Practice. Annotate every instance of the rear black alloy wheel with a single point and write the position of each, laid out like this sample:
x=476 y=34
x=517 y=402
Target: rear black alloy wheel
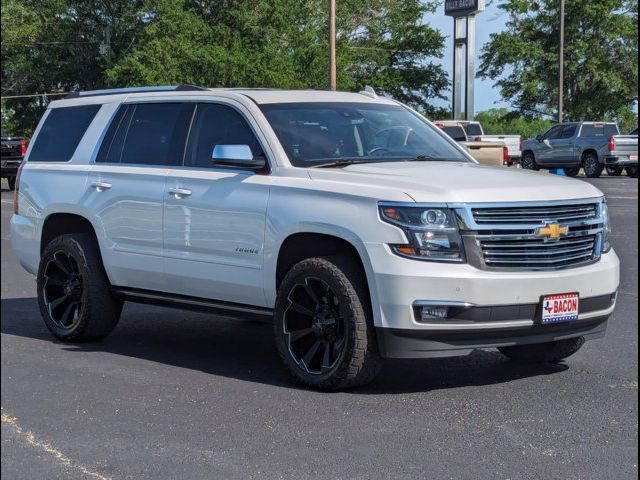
x=62 y=290
x=551 y=352
x=632 y=172
x=592 y=166
x=74 y=294
x=614 y=171
x=323 y=326
x=528 y=161
x=313 y=326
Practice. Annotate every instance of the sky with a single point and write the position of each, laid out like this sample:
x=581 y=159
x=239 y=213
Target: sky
x=490 y=21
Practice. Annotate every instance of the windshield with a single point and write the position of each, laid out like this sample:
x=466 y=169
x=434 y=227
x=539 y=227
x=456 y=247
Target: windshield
x=325 y=134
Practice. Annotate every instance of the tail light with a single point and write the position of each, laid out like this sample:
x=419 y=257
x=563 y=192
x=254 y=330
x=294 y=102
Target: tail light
x=478 y=139
x=16 y=189
x=505 y=156
x=23 y=148
x=612 y=144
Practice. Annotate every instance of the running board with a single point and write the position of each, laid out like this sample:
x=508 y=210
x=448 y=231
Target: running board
x=183 y=302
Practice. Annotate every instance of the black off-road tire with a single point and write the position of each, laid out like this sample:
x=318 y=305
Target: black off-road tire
x=360 y=361
x=11 y=181
x=98 y=311
x=551 y=352
x=632 y=172
x=614 y=171
x=528 y=161
x=592 y=166
x=572 y=171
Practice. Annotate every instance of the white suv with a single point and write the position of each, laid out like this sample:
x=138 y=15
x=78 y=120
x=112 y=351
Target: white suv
x=350 y=221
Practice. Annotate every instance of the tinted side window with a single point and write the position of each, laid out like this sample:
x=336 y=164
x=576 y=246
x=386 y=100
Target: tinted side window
x=213 y=125
x=111 y=148
x=568 y=132
x=553 y=133
x=61 y=133
x=156 y=134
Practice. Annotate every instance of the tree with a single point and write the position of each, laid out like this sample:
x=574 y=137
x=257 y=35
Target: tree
x=601 y=58
x=284 y=44
x=500 y=121
x=57 y=46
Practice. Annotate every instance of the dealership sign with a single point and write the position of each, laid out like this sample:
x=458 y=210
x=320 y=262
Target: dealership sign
x=462 y=8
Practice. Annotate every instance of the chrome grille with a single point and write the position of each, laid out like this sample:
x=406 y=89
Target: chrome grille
x=539 y=214
x=507 y=237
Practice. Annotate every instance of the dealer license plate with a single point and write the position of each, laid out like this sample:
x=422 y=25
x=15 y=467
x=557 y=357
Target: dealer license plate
x=633 y=158
x=560 y=308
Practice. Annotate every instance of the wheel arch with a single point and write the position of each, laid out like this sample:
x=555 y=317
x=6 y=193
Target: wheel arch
x=309 y=243
x=61 y=223
x=587 y=151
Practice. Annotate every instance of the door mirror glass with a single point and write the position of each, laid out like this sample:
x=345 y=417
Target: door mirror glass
x=540 y=138
x=236 y=156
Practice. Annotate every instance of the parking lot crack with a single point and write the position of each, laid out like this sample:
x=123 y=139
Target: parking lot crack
x=31 y=439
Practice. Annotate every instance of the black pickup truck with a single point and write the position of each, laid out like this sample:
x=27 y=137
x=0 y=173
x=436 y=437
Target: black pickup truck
x=13 y=151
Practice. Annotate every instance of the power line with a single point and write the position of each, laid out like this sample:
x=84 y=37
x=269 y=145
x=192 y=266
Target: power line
x=34 y=95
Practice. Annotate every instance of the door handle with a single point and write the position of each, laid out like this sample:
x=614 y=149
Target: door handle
x=101 y=186
x=179 y=193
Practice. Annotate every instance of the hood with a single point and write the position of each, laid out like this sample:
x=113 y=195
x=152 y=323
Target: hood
x=452 y=182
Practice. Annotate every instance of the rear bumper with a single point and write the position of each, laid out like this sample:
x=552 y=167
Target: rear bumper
x=620 y=160
x=10 y=168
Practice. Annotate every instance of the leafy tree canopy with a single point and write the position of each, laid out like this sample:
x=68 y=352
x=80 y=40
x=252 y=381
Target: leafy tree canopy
x=601 y=58
x=61 y=45
x=500 y=121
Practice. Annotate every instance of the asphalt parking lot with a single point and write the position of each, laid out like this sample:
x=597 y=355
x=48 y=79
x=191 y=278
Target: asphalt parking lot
x=172 y=394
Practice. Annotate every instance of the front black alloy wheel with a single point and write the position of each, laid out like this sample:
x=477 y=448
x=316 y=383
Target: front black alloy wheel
x=323 y=326
x=314 y=328
x=74 y=294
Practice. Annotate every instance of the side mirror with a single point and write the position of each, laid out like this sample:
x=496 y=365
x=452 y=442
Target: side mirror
x=540 y=138
x=239 y=156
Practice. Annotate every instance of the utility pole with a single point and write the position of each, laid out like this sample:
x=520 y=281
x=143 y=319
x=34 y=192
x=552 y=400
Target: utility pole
x=561 y=86
x=332 y=45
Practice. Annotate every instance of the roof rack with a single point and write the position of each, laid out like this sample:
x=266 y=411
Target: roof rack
x=183 y=87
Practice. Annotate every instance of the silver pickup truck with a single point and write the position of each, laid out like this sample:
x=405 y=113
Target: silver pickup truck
x=593 y=146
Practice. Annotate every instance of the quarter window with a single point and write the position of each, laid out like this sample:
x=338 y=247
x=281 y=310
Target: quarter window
x=213 y=125
x=61 y=133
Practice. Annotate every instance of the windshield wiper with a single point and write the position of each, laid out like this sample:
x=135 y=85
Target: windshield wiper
x=427 y=158
x=341 y=163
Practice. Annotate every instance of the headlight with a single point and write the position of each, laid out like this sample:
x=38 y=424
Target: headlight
x=606 y=243
x=432 y=232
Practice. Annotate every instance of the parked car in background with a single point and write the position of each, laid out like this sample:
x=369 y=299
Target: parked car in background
x=588 y=145
x=13 y=151
x=355 y=226
x=486 y=153
x=475 y=133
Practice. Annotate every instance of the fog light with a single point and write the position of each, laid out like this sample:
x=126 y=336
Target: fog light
x=429 y=314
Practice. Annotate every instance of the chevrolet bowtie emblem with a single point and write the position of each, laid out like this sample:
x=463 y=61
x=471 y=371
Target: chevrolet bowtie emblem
x=553 y=231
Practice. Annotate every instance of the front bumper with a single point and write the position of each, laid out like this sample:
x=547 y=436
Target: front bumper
x=621 y=161
x=504 y=304
x=494 y=327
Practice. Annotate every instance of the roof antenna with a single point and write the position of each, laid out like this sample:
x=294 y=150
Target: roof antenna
x=369 y=91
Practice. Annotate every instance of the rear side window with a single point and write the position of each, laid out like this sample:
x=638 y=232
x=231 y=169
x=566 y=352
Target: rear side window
x=456 y=133
x=215 y=125
x=147 y=134
x=61 y=133
x=600 y=130
x=474 y=130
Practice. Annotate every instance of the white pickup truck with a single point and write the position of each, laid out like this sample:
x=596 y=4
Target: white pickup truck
x=476 y=133
x=355 y=226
